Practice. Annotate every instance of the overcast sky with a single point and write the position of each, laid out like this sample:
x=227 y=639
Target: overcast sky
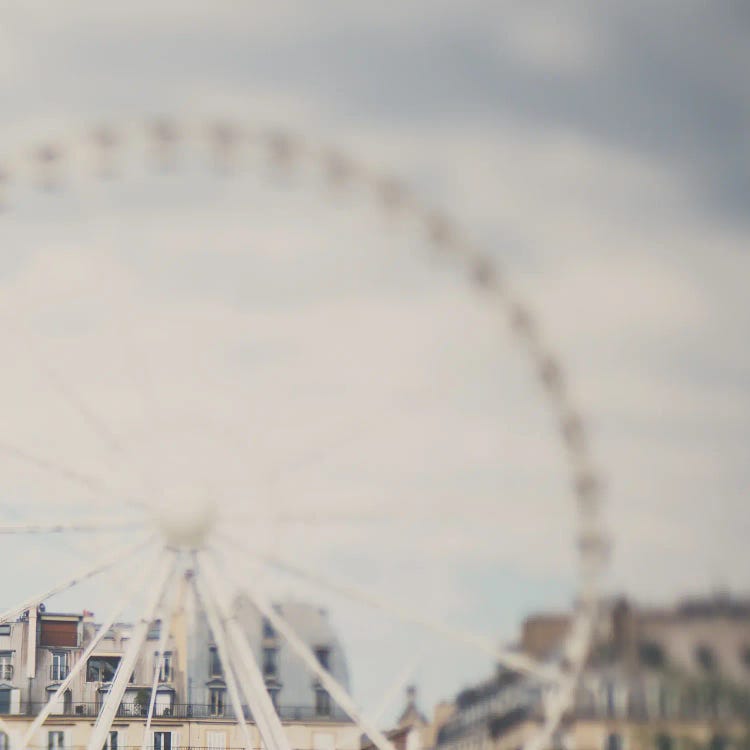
x=600 y=152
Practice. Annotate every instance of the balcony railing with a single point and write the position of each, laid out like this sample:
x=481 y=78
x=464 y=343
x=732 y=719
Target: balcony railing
x=182 y=711
x=58 y=672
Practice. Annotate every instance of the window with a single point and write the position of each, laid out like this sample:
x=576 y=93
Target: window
x=6 y=665
x=614 y=742
x=59 y=668
x=323 y=655
x=269 y=662
x=4 y=741
x=163 y=705
x=705 y=658
x=218 y=700
x=165 y=668
x=214 y=663
x=745 y=656
x=664 y=742
x=268 y=631
x=111 y=743
x=102 y=668
x=4 y=701
x=162 y=740
x=322 y=703
x=5 y=630
x=55 y=740
x=651 y=654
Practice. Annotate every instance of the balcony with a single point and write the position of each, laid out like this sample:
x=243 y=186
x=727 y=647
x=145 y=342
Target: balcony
x=178 y=711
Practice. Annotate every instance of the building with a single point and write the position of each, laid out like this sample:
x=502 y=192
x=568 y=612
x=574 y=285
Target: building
x=295 y=693
x=661 y=678
x=414 y=731
x=39 y=650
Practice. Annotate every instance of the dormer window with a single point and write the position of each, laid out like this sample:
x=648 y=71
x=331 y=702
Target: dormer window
x=165 y=667
x=214 y=663
x=270 y=666
x=268 y=631
x=323 y=655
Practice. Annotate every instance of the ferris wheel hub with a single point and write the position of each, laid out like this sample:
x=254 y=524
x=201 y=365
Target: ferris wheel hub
x=187 y=525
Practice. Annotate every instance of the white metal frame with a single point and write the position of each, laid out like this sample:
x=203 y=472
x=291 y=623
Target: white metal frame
x=98 y=153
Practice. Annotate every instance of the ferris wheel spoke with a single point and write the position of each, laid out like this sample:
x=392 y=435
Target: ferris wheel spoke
x=315 y=518
x=293 y=518
x=308 y=658
x=512 y=660
x=166 y=625
x=77 y=404
x=167 y=565
x=90 y=572
x=140 y=580
x=219 y=635
x=262 y=708
x=94 y=484
x=69 y=526
x=60 y=471
x=97 y=425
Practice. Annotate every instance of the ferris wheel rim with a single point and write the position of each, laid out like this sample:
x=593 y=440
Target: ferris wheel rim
x=285 y=151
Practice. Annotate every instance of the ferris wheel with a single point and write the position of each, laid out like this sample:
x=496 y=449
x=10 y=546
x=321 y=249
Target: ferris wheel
x=130 y=438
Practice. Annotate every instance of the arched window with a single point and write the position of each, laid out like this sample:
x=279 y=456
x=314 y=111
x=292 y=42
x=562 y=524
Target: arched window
x=4 y=742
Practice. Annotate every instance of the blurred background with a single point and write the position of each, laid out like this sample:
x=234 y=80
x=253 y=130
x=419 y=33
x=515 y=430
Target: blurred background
x=598 y=151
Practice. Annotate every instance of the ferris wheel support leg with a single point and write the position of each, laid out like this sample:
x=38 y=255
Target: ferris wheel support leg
x=253 y=684
x=81 y=663
x=127 y=663
x=166 y=625
x=308 y=658
x=214 y=622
